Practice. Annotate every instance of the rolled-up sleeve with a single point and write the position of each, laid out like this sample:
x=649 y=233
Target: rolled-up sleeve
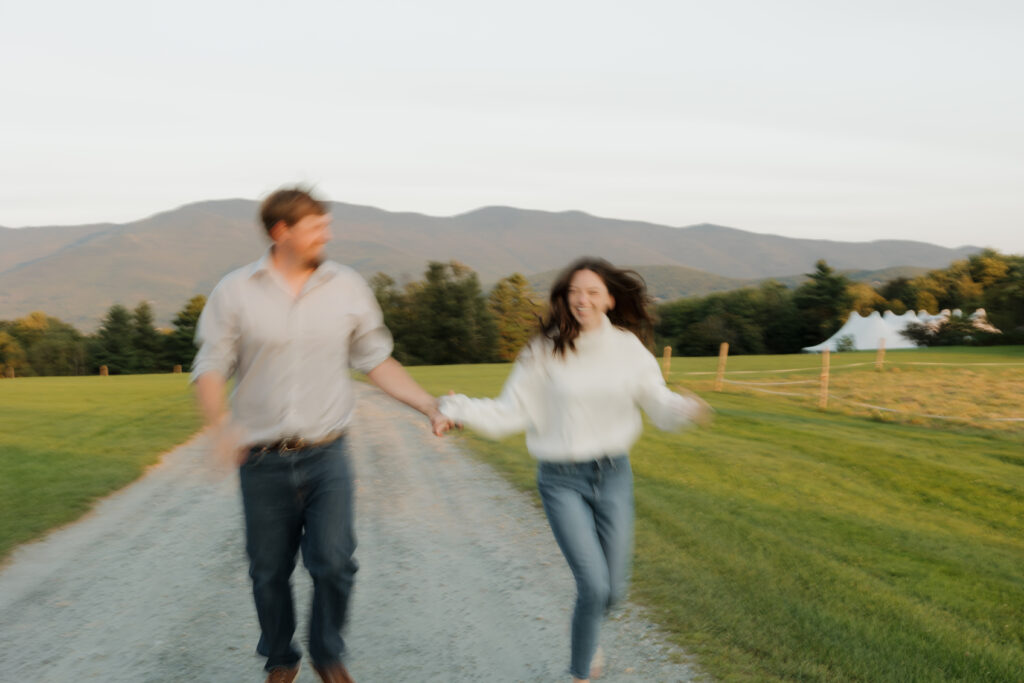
x=371 y=343
x=217 y=336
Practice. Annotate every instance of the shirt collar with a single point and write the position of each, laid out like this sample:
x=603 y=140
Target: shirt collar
x=324 y=271
x=262 y=265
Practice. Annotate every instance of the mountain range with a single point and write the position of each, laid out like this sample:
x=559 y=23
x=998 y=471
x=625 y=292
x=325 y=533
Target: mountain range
x=77 y=272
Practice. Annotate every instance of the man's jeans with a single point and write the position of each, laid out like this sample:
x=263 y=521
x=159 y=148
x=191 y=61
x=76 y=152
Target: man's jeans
x=590 y=508
x=300 y=499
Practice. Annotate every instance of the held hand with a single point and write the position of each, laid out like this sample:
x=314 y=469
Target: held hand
x=440 y=424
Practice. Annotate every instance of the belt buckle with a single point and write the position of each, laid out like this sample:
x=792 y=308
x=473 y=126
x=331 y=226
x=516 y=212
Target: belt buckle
x=291 y=445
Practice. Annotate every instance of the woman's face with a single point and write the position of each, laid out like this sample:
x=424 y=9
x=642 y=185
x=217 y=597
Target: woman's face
x=589 y=299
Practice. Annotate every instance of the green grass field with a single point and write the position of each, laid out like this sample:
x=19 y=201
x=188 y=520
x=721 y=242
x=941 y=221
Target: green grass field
x=787 y=543
x=782 y=543
x=67 y=441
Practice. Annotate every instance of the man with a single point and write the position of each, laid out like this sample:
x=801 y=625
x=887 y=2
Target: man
x=288 y=328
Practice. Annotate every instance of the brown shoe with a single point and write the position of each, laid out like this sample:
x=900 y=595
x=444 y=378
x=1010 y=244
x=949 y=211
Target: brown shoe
x=283 y=674
x=333 y=673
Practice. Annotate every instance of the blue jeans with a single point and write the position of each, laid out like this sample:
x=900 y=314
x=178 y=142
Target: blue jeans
x=292 y=500
x=590 y=508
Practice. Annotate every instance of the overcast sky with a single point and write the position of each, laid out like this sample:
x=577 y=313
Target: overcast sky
x=838 y=120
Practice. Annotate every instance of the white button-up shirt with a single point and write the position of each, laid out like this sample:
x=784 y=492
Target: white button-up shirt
x=290 y=354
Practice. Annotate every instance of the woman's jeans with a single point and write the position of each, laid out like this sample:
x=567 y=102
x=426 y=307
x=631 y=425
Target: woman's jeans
x=292 y=500
x=590 y=508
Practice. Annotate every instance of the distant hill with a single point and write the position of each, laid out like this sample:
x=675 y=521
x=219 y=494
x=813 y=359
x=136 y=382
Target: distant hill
x=77 y=272
x=20 y=247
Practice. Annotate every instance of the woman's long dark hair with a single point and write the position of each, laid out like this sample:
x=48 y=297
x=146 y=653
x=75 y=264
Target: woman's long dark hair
x=628 y=290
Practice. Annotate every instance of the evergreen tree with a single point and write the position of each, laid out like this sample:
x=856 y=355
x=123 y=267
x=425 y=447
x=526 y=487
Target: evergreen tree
x=147 y=343
x=778 y=318
x=453 y=323
x=442 y=319
x=392 y=305
x=113 y=343
x=179 y=345
x=823 y=302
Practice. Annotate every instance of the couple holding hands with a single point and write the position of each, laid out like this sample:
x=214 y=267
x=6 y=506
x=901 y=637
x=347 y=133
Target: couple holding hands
x=289 y=327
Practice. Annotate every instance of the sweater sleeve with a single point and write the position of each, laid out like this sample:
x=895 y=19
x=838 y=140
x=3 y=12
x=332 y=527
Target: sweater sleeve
x=667 y=409
x=517 y=408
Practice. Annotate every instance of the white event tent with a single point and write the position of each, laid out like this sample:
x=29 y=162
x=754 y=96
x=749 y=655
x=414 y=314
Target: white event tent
x=866 y=331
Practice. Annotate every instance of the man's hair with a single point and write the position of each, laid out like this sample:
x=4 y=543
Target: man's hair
x=291 y=205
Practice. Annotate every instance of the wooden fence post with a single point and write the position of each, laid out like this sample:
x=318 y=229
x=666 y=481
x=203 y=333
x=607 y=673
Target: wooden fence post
x=880 y=356
x=723 y=354
x=823 y=398
x=666 y=361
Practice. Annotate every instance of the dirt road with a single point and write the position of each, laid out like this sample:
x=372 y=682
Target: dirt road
x=459 y=579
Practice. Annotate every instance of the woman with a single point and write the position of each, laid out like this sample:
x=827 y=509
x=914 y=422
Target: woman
x=575 y=389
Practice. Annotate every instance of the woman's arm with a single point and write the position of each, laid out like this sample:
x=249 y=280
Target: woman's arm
x=667 y=409
x=514 y=410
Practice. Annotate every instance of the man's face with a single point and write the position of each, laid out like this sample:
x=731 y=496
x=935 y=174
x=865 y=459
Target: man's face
x=305 y=239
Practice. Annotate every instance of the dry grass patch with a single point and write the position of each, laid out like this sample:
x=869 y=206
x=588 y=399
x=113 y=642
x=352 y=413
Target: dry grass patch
x=984 y=390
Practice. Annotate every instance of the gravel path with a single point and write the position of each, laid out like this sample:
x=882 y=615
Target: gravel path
x=459 y=579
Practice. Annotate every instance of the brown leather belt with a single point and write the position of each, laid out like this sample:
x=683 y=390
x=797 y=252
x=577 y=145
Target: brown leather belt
x=296 y=443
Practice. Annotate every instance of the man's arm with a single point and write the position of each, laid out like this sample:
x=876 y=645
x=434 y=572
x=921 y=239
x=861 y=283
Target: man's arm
x=217 y=337
x=396 y=382
x=225 y=436
x=210 y=396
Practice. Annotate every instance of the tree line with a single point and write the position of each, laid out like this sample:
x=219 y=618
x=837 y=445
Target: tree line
x=442 y=319
x=127 y=342
x=447 y=318
x=774 y=319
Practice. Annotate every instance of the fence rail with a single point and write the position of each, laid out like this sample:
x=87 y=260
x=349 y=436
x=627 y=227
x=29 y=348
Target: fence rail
x=723 y=377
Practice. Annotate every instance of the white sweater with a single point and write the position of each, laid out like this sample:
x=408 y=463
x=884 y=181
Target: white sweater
x=581 y=406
